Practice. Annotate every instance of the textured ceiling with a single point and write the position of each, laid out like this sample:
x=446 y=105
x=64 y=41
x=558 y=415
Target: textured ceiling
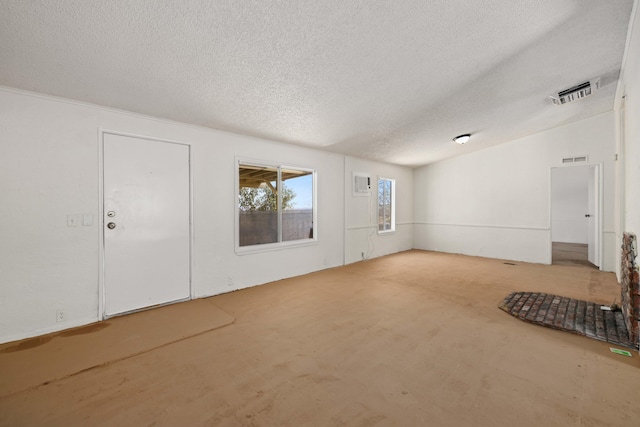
x=387 y=80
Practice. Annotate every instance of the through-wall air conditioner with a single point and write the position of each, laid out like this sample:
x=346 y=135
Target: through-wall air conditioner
x=361 y=184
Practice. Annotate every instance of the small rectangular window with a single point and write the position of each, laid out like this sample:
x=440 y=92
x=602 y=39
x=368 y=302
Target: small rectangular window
x=386 y=205
x=275 y=204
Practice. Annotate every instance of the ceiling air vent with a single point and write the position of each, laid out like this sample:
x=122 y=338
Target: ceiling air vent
x=576 y=92
x=576 y=159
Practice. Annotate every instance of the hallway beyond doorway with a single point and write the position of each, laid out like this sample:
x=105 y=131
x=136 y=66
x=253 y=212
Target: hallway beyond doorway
x=570 y=254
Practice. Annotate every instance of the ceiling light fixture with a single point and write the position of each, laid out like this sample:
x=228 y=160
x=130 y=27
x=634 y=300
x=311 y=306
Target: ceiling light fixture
x=462 y=139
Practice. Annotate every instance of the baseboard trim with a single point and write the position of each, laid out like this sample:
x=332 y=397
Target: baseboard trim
x=42 y=331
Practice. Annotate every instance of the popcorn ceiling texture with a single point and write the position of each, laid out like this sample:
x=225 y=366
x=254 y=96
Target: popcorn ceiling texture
x=386 y=80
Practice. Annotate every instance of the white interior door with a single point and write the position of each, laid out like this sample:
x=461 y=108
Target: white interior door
x=593 y=232
x=146 y=223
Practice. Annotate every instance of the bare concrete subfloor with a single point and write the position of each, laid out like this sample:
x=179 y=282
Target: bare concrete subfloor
x=412 y=339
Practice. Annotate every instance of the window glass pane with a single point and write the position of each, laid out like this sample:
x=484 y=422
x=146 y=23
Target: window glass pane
x=385 y=205
x=275 y=204
x=297 y=205
x=258 y=205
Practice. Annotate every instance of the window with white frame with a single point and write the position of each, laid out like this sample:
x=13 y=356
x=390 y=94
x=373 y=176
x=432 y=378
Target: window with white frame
x=275 y=204
x=386 y=205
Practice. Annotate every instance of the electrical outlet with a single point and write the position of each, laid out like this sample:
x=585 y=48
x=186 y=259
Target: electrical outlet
x=59 y=315
x=72 y=220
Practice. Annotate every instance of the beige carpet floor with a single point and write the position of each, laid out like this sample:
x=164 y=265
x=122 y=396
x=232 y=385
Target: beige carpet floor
x=40 y=360
x=412 y=339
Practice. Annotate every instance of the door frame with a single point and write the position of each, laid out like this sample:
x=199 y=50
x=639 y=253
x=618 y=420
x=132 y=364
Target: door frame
x=599 y=168
x=101 y=221
x=598 y=206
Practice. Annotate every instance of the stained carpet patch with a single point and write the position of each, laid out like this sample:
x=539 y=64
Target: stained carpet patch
x=569 y=315
x=76 y=350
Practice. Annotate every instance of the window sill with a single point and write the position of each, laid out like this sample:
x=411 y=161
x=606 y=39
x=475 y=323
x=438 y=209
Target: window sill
x=270 y=247
x=382 y=233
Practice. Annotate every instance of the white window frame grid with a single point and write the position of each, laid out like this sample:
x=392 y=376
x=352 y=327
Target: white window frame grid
x=266 y=247
x=392 y=228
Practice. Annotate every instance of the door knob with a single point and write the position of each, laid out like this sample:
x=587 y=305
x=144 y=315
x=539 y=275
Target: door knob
x=587 y=216
x=111 y=225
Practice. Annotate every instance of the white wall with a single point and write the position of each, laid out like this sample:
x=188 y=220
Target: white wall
x=495 y=202
x=361 y=213
x=628 y=134
x=569 y=204
x=491 y=203
x=49 y=168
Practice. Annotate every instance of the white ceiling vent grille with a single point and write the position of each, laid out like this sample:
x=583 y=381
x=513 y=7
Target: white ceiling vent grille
x=575 y=159
x=576 y=92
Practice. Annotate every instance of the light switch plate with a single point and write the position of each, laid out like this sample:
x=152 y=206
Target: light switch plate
x=87 y=220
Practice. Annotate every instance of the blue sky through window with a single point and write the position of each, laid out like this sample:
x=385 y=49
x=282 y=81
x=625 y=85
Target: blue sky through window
x=303 y=187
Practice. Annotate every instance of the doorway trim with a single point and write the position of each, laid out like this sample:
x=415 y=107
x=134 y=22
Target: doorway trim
x=599 y=168
x=101 y=223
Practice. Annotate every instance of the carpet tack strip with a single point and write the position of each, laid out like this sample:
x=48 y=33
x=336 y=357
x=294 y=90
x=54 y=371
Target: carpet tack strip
x=570 y=315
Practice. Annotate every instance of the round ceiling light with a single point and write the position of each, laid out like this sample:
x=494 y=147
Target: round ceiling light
x=462 y=139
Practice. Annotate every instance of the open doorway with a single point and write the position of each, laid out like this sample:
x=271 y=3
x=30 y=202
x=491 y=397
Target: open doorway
x=575 y=200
